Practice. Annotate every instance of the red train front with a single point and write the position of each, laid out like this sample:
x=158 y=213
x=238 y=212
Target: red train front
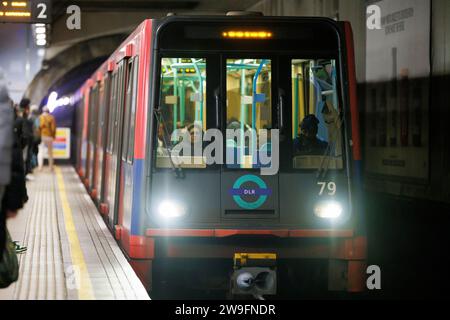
x=226 y=226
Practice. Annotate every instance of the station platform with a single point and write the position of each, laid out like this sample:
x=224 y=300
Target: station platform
x=71 y=254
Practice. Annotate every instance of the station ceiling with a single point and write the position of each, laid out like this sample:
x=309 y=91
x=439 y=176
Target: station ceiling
x=59 y=6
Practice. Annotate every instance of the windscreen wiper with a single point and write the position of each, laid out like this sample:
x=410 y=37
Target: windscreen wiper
x=325 y=161
x=331 y=147
x=178 y=171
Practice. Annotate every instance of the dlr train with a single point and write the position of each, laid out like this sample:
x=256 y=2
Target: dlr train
x=224 y=226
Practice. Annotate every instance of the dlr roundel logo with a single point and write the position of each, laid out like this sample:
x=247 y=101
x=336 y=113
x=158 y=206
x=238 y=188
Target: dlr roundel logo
x=247 y=188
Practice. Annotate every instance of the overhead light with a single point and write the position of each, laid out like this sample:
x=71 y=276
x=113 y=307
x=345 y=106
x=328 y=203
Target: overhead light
x=18 y=4
x=328 y=210
x=17 y=14
x=39 y=25
x=40 y=36
x=41 y=42
x=41 y=52
x=40 y=30
x=247 y=34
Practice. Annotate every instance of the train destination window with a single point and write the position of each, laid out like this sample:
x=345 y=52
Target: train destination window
x=316 y=119
x=182 y=111
x=248 y=109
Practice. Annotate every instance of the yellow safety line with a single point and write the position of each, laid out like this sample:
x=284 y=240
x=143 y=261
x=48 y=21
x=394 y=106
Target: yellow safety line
x=85 y=290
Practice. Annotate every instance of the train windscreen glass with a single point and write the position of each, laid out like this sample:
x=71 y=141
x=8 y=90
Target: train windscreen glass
x=249 y=109
x=316 y=119
x=182 y=110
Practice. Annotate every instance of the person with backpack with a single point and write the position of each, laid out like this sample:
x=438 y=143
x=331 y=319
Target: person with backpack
x=13 y=191
x=6 y=145
x=47 y=129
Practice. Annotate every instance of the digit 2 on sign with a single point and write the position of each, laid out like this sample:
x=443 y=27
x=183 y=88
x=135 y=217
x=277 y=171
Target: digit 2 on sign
x=42 y=10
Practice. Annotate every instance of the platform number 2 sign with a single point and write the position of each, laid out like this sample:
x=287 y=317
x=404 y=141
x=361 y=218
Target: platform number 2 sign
x=41 y=11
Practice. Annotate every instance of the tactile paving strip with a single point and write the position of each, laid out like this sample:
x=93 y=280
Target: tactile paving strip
x=46 y=269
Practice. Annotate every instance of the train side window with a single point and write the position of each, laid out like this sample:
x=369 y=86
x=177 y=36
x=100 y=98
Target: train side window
x=101 y=94
x=316 y=118
x=90 y=109
x=183 y=88
x=118 y=108
x=93 y=109
x=112 y=111
x=130 y=154
x=128 y=100
x=249 y=108
x=105 y=89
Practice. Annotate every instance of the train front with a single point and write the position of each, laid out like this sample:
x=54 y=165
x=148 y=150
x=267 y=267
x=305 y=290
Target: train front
x=253 y=157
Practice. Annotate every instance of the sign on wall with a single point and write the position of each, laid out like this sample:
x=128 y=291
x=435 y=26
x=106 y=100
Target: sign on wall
x=61 y=144
x=397 y=96
x=26 y=11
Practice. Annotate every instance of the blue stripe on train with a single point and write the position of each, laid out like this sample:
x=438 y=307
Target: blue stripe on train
x=138 y=176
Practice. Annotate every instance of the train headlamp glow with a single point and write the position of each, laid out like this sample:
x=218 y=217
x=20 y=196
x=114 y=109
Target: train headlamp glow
x=328 y=210
x=170 y=210
x=242 y=34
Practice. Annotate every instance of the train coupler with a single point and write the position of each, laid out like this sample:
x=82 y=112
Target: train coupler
x=254 y=274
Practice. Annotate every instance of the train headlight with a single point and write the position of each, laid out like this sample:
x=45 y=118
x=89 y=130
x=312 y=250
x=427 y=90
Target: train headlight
x=328 y=210
x=171 y=210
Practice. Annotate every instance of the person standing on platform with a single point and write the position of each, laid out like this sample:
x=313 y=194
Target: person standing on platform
x=34 y=117
x=6 y=143
x=28 y=136
x=47 y=129
x=15 y=195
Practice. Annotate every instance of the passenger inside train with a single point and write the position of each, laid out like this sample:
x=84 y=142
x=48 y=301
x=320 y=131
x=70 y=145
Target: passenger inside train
x=316 y=121
x=249 y=109
x=183 y=107
x=307 y=141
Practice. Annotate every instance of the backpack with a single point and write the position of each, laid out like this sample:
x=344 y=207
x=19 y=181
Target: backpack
x=9 y=265
x=45 y=122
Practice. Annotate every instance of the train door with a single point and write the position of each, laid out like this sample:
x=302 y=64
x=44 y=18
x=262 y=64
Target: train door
x=251 y=97
x=116 y=147
x=93 y=128
x=125 y=200
x=79 y=134
x=102 y=133
x=85 y=134
x=104 y=198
